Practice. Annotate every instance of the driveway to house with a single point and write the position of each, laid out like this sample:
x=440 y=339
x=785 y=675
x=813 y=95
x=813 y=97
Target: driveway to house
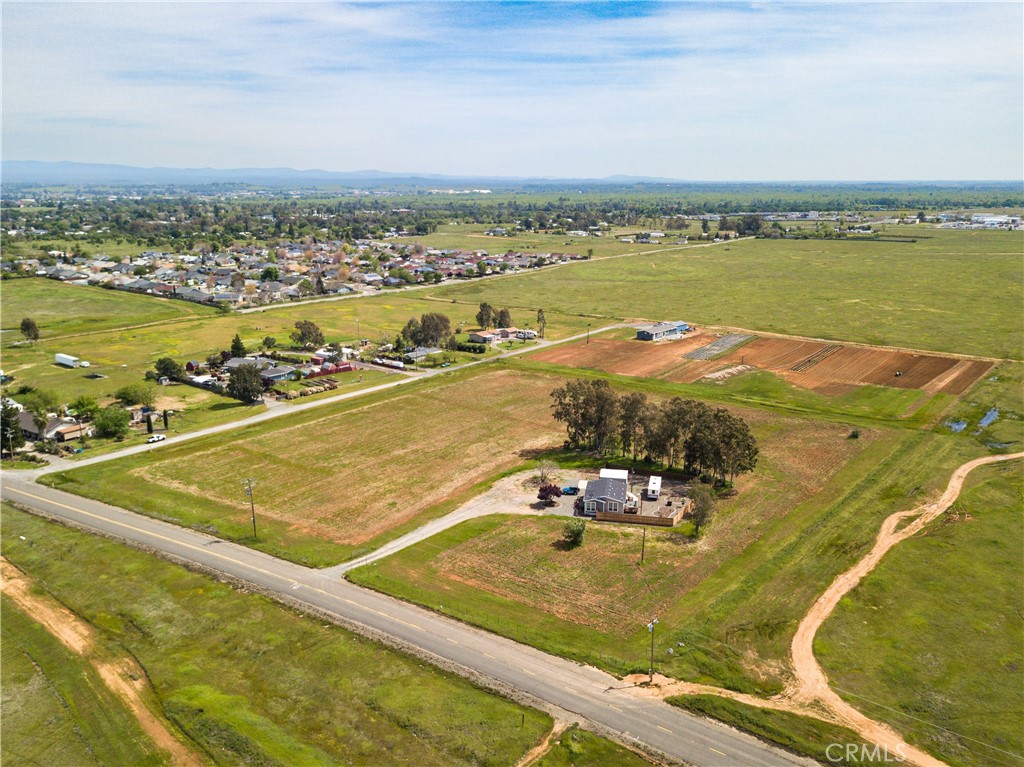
x=510 y=495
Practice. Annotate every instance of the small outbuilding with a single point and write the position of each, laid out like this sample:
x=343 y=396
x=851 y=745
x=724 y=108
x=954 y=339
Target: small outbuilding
x=660 y=330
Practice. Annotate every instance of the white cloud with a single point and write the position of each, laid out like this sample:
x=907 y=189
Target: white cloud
x=833 y=90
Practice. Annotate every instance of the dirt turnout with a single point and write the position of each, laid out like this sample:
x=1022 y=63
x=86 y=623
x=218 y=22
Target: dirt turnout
x=810 y=694
x=124 y=677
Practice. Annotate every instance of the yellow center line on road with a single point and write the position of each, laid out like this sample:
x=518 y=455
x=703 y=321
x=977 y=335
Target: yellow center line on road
x=610 y=705
x=717 y=751
x=666 y=729
x=526 y=670
x=490 y=656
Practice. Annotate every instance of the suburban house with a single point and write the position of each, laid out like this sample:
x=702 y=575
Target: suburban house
x=275 y=374
x=61 y=429
x=661 y=330
x=484 y=336
x=603 y=495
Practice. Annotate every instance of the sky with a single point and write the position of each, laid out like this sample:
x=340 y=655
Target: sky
x=723 y=91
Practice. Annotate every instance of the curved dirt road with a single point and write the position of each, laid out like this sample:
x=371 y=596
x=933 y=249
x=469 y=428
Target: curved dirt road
x=809 y=694
x=811 y=682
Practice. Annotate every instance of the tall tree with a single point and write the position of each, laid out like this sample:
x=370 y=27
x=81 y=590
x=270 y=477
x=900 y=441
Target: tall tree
x=504 y=318
x=541 y=321
x=113 y=421
x=11 y=436
x=169 y=367
x=434 y=328
x=632 y=412
x=307 y=334
x=237 y=347
x=245 y=383
x=29 y=329
x=485 y=317
x=703 y=506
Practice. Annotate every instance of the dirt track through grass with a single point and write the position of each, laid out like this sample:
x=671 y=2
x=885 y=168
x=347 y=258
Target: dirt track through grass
x=124 y=677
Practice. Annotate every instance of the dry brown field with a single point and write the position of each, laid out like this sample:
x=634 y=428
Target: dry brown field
x=353 y=476
x=837 y=369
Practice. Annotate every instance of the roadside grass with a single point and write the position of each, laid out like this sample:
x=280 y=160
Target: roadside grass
x=579 y=748
x=509 y=574
x=1001 y=390
x=56 y=709
x=931 y=641
x=803 y=735
x=17 y=465
x=255 y=683
x=60 y=309
x=339 y=481
x=958 y=291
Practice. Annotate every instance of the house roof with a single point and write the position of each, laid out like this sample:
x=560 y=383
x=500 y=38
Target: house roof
x=614 y=489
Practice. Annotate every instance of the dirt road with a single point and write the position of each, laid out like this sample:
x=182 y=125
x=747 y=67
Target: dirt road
x=809 y=694
x=124 y=677
x=811 y=682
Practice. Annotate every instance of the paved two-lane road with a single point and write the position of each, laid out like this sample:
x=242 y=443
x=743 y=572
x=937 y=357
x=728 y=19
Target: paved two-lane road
x=585 y=692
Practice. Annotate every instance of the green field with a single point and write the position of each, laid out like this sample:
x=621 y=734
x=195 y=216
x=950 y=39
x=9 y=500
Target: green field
x=60 y=309
x=252 y=682
x=956 y=291
x=56 y=709
x=931 y=641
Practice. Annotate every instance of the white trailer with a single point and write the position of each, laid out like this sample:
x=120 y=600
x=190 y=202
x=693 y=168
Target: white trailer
x=66 y=360
x=653 y=488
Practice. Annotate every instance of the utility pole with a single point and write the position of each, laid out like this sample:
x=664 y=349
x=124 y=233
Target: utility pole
x=250 y=483
x=643 y=545
x=650 y=628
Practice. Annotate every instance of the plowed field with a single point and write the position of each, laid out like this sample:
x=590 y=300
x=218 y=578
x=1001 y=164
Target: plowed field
x=631 y=358
x=838 y=370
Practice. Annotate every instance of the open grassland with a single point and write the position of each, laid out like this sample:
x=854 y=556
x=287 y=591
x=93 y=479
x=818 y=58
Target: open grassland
x=252 y=682
x=56 y=709
x=956 y=291
x=931 y=641
x=472 y=237
x=579 y=748
x=511 y=575
x=60 y=309
x=337 y=482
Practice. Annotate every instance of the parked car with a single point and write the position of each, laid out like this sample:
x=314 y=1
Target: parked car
x=156 y=438
x=570 y=491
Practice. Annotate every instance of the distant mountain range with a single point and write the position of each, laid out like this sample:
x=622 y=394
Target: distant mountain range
x=78 y=173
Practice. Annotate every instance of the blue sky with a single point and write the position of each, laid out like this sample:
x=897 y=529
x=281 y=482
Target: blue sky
x=697 y=91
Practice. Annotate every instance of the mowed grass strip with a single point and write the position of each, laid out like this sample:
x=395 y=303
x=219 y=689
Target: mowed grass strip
x=510 y=575
x=60 y=309
x=56 y=709
x=336 y=483
x=255 y=683
x=957 y=291
x=931 y=641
